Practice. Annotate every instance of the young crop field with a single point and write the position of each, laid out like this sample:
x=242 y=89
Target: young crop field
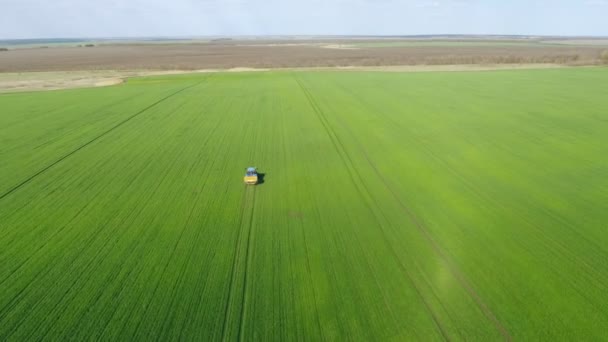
x=395 y=206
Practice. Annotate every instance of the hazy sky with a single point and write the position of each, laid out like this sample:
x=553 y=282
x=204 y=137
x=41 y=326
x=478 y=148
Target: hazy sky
x=127 y=18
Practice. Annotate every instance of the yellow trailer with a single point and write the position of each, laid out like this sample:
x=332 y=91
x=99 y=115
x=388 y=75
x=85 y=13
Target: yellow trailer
x=251 y=176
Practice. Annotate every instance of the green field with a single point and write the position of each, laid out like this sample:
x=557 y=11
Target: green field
x=423 y=206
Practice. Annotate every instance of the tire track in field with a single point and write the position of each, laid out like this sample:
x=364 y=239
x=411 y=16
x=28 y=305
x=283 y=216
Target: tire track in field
x=304 y=242
x=199 y=232
x=45 y=271
x=358 y=181
x=104 y=108
x=314 y=292
x=475 y=190
x=48 y=239
x=184 y=265
x=48 y=270
x=243 y=240
x=171 y=257
x=557 y=248
x=341 y=150
x=110 y=130
x=460 y=277
x=106 y=247
x=338 y=151
x=161 y=274
x=505 y=208
x=441 y=252
x=221 y=140
x=69 y=289
x=92 y=238
x=248 y=261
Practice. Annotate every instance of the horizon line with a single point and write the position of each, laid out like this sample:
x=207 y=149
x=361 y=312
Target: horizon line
x=190 y=37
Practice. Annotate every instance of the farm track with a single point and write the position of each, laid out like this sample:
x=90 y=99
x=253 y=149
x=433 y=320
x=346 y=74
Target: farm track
x=358 y=179
x=191 y=220
x=246 y=275
x=99 y=232
x=47 y=270
x=186 y=226
x=93 y=237
x=558 y=248
x=57 y=110
x=305 y=244
x=113 y=128
x=242 y=246
x=64 y=226
x=464 y=282
x=41 y=247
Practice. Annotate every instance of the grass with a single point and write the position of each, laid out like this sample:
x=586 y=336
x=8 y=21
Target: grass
x=422 y=206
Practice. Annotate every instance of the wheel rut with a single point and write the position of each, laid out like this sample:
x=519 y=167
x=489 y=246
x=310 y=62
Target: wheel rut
x=236 y=303
x=365 y=193
x=94 y=139
x=439 y=251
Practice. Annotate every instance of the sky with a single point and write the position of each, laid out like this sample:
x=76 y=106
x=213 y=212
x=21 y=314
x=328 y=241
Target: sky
x=21 y=19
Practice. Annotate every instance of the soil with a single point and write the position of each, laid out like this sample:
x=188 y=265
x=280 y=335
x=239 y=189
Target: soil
x=340 y=47
x=61 y=67
x=35 y=81
x=278 y=54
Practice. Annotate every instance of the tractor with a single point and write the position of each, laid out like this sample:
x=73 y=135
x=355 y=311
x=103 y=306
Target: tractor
x=251 y=176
